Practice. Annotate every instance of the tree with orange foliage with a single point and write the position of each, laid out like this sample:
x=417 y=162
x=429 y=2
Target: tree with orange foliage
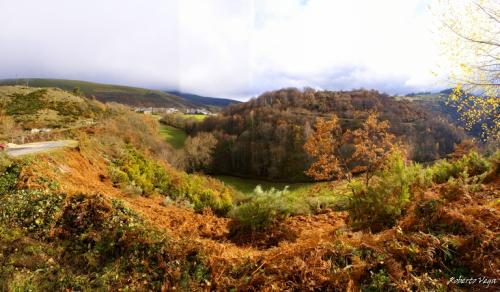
x=373 y=144
x=325 y=145
x=329 y=145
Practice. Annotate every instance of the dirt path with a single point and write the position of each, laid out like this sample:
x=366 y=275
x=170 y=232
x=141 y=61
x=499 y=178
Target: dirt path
x=32 y=148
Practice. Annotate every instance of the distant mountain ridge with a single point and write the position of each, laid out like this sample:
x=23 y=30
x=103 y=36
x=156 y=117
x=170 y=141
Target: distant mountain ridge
x=205 y=100
x=132 y=96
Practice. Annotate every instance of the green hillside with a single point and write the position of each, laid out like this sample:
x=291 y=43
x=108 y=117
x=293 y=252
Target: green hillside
x=133 y=96
x=46 y=107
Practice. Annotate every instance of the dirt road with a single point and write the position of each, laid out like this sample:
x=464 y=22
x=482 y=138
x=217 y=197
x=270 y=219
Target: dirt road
x=32 y=148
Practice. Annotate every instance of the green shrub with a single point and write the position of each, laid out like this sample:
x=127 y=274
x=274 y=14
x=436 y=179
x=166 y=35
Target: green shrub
x=133 y=190
x=258 y=213
x=137 y=174
x=118 y=177
x=458 y=187
x=379 y=281
x=88 y=243
x=100 y=235
x=8 y=177
x=380 y=203
x=203 y=192
x=134 y=169
x=443 y=170
x=453 y=189
x=26 y=104
x=473 y=164
x=31 y=210
x=265 y=207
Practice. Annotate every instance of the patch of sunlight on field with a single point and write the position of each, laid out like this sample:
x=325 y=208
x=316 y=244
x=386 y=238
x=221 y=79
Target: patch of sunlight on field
x=247 y=186
x=175 y=137
x=317 y=194
x=193 y=116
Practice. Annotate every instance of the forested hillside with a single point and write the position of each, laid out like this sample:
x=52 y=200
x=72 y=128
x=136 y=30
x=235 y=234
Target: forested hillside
x=264 y=137
x=439 y=103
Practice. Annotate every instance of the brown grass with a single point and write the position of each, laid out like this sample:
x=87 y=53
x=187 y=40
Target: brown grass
x=323 y=253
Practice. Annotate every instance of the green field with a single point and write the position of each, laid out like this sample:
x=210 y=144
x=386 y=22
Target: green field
x=175 y=137
x=313 y=194
x=247 y=185
x=196 y=117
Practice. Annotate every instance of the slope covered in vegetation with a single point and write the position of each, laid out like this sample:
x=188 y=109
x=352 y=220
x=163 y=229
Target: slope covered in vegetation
x=47 y=108
x=55 y=238
x=114 y=214
x=133 y=96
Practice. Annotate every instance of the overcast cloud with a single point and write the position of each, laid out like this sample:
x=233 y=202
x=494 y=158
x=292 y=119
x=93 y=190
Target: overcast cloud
x=225 y=48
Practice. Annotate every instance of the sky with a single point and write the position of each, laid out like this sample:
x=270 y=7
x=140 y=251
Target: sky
x=223 y=48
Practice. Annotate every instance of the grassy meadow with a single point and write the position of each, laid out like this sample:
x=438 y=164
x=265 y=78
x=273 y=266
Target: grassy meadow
x=175 y=137
x=247 y=185
x=196 y=117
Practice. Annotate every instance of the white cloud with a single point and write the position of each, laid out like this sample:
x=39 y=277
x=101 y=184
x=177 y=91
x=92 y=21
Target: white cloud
x=375 y=42
x=231 y=48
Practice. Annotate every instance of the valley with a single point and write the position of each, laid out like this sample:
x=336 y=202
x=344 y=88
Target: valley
x=137 y=201
x=306 y=145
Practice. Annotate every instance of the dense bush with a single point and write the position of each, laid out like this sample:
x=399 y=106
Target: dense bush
x=87 y=243
x=202 y=192
x=121 y=126
x=53 y=108
x=9 y=173
x=133 y=169
x=179 y=121
x=263 y=208
x=454 y=188
x=198 y=152
x=379 y=204
x=31 y=210
x=382 y=201
x=138 y=174
x=472 y=164
x=26 y=104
